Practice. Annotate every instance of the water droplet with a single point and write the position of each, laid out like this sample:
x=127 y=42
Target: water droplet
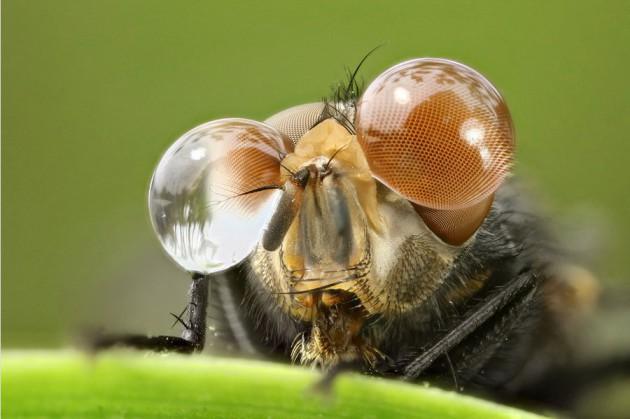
x=197 y=201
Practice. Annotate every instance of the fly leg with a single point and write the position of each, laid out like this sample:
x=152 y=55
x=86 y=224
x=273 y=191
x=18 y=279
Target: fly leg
x=191 y=340
x=521 y=290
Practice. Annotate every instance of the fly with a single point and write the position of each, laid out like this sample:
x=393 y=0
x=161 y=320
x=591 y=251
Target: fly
x=379 y=229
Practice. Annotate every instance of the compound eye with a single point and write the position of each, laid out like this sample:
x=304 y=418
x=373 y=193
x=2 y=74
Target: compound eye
x=295 y=121
x=214 y=191
x=437 y=132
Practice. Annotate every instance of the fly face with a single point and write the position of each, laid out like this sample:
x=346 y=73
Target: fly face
x=342 y=242
x=379 y=211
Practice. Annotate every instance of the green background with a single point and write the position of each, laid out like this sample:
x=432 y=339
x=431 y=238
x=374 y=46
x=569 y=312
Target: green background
x=94 y=91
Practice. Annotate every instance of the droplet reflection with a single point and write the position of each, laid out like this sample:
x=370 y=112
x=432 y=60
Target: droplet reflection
x=197 y=204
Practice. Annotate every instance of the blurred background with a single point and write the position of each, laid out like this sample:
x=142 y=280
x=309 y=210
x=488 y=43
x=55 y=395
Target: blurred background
x=94 y=91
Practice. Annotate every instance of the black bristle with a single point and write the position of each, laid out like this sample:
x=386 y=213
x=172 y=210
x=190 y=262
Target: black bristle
x=341 y=104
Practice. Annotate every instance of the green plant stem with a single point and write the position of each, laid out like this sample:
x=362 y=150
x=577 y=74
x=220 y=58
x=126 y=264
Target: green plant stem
x=56 y=384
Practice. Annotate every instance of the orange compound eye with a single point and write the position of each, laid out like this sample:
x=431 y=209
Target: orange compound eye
x=437 y=132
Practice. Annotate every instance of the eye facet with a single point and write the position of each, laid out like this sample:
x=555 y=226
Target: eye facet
x=437 y=132
x=295 y=121
x=214 y=190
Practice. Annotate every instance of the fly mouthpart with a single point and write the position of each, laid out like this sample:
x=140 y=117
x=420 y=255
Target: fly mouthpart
x=309 y=280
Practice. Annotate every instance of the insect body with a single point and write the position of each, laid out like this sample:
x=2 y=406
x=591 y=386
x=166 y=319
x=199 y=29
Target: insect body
x=377 y=230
